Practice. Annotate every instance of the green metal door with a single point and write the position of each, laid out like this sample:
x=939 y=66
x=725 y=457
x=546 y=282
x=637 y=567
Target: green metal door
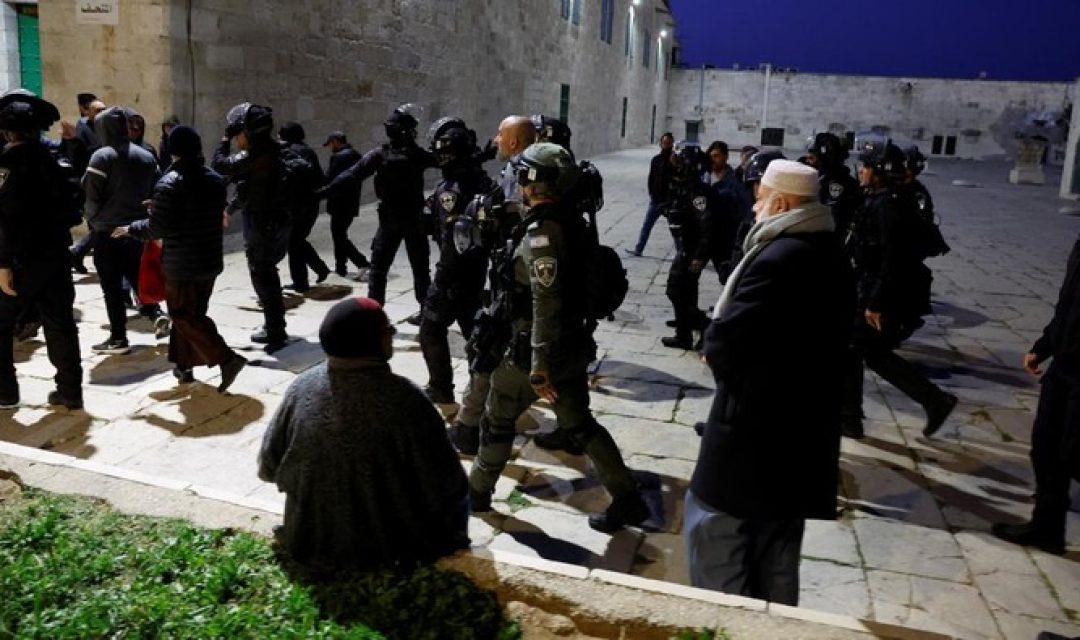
x=29 y=51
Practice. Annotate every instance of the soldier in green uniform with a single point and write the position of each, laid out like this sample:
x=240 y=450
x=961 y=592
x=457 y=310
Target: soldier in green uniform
x=552 y=347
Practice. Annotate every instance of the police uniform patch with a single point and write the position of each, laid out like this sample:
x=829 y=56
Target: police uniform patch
x=539 y=242
x=545 y=270
x=448 y=199
x=835 y=190
x=4 y=173
x=920 y=199
x=700 y=203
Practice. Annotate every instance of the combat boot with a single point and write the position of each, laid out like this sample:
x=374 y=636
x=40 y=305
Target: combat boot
x=558 y=440
x=624 y=511
x=1032 y=534
x=465 y=439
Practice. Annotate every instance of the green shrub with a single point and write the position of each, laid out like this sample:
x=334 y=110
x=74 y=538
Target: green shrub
x=72 y=568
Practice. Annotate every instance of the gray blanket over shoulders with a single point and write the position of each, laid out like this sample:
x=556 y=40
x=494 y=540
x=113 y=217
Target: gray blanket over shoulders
x=369 y=475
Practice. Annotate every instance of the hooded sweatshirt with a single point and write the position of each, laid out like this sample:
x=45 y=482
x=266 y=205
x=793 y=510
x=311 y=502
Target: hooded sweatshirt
x=120 y=176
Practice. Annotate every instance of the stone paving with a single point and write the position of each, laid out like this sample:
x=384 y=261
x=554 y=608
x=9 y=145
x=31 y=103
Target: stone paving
x=912 y=546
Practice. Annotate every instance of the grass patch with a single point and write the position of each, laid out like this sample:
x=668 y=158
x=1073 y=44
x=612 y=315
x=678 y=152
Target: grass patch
x=73 y=568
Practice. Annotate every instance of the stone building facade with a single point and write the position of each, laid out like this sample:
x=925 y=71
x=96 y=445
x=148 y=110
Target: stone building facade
x=344 y=64
x=965 y=118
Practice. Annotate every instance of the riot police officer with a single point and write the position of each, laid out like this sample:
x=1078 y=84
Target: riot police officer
x=701 y=232
x=551 y=347
x=398 y=166
x=455 y=293
x=839 y=190
x=893 y=291
x=261 y=171
x=35 y=266
x=918 y=197
x=302 y=255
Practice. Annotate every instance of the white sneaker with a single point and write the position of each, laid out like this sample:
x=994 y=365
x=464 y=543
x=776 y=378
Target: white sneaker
x=162 y=326
x=362 y=275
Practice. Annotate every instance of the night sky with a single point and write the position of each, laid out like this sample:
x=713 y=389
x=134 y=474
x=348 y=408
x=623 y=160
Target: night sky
x=1009 y=40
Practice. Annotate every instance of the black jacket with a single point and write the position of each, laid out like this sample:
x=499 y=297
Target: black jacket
x=1061 y=338
x=399 y=180
x=659 y=176
x=771 y=446
x=345 y=199
x=186 y=216
x=32 y=229
x=887 y=249
x=703 y=221
x=841 y=192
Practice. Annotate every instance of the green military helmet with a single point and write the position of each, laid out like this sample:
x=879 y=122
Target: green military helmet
x=549 y=164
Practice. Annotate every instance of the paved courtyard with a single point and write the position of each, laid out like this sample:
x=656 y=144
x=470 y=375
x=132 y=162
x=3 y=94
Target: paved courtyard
x=912 y=546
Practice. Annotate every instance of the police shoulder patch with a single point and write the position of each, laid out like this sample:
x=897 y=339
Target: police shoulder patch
x=835 y=190
x=539 y=242
x=545 y=270
x=920 y=200
x=700 y=203
x=448 y=200
x=5 y=173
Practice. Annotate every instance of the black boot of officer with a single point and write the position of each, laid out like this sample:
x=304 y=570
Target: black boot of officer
x=257 y=171
x=35 y=265
x=894 y=292
x=455 y=294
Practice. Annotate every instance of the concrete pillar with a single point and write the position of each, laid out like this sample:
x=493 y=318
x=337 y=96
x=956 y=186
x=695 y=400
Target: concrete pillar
x=9 y=48
x=1070 y=173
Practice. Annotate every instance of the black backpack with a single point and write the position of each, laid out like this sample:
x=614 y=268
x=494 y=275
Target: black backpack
x=300 y=179
x=606 y=284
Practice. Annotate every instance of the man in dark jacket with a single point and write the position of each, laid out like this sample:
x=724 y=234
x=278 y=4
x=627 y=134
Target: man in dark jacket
x=119 y=178
x=659 y=178
x=370 y=479
x=770 y=451
x=186 y=217
x=259 y=172
x=1055 y=435
x=398 y=166
x=343 y=205
x=301 y=254
x=78 y=143
x=893 y=291
x=35 y=270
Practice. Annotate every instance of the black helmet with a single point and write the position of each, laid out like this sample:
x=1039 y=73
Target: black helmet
x=828 y=148
x=758 y=163
x=916 y=161
x=454 y=144
x=402 y=122
x=688 y=160
x=25 y=111
x=552 y=130
x=886 y=160
x=253 y=119
x=548 y=163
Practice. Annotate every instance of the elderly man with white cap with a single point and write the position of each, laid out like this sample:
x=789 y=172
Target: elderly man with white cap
x=770 y=449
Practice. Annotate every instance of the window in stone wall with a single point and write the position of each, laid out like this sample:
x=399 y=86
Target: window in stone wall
x=565 y=10
x=652 y=129
x=564 y=103
x=607 y=20
x=575 y=15
x=625 y=105
x=646 y=49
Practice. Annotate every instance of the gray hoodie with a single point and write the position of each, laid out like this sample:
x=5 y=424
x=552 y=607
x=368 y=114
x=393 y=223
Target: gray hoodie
x=120 y=175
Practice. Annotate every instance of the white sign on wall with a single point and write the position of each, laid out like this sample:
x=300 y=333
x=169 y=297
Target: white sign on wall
x=97 y=12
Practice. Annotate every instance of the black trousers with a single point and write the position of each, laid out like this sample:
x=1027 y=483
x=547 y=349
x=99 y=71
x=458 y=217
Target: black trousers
x=47 y=287
x=682 y=291
x=84 y=244
x=440 y=311
x=116 y=260
x=265 y=246
x=344 y=249
x=194 y=339
x=301 y=254
x=1055 y=447
x=384 y=247
x=876 y=350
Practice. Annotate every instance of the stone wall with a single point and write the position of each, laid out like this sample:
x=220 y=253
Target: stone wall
x=982 y=114
x=9 y=48
x=344 y=64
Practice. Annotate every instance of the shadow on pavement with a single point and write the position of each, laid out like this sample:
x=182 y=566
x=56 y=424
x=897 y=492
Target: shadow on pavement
x=142 y=363
x=204 y=411
x=961 y=318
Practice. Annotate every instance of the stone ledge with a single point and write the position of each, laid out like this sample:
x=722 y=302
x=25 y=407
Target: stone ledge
x=669 y=604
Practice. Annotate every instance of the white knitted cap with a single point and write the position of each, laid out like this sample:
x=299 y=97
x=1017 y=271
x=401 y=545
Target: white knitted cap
x=794 y=178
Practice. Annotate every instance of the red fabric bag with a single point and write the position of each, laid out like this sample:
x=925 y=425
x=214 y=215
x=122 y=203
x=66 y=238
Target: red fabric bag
x=151 y=286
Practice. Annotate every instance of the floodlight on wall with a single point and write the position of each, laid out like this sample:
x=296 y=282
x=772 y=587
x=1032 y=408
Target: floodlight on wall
x=637 y=3
x=663 y=33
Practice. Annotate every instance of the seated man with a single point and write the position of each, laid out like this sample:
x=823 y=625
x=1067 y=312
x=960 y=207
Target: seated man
x=369 y=476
